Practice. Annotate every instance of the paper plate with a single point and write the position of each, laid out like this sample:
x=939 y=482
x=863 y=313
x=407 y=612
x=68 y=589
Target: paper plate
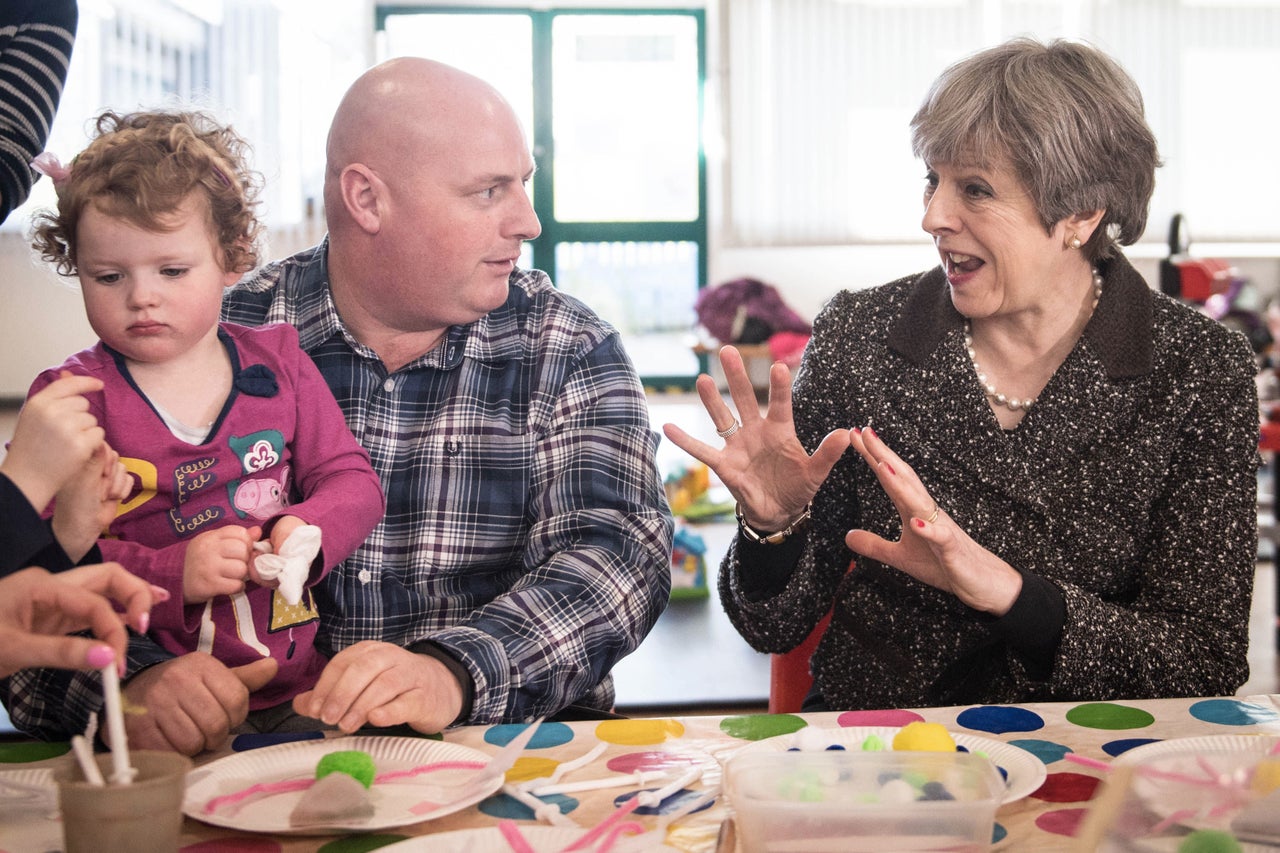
x=32 y=787
x=393 y=802
x=1024 y=772
x=543 y=839
x=1225 y=757
x=1257 y=744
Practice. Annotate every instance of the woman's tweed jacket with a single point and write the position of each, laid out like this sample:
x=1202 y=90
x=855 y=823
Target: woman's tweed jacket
x=1131 y=486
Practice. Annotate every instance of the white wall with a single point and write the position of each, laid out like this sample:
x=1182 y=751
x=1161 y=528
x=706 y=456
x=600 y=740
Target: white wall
x=42 y=318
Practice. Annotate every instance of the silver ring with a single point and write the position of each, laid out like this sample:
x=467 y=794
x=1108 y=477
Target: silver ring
x=934 y=515
x=729 y=430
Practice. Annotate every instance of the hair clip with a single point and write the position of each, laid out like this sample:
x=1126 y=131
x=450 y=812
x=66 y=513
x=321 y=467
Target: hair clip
x=47 y=163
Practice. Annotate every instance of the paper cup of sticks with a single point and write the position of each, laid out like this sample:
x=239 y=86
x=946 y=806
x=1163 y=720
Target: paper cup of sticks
x=120 y=800
x=142 y=814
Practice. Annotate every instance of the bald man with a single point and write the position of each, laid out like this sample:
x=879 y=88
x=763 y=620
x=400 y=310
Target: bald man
x=526 y=543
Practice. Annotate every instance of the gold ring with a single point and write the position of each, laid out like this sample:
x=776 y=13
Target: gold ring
x=934 y=515
x=729 y=430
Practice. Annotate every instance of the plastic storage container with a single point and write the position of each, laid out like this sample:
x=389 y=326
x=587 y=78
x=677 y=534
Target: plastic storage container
x=845 y=801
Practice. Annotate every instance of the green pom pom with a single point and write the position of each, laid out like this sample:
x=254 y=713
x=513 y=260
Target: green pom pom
x=355 y=763
x=1210 y=841
x=873 y=743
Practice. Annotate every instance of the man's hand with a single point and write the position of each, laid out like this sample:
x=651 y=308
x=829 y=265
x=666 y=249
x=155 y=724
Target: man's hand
x=191 y=702
x=381 y=684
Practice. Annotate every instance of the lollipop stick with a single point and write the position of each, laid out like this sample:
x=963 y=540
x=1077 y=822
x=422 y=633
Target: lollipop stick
x=121 y=772
x=84 y=756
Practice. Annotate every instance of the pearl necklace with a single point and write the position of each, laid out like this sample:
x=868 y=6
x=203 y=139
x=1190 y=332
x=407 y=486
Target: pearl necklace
x=1013 y=403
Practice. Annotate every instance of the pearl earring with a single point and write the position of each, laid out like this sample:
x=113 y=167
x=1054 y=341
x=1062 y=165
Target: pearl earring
x=1074 y=242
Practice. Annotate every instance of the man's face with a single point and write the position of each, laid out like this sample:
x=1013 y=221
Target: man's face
x=459 y=217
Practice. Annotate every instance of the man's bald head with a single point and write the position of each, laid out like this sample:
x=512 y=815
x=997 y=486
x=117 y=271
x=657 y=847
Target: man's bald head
x=392 y=113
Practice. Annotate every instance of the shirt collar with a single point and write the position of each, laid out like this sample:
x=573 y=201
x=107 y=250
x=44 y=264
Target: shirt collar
x=1120 y=330
x=497 y=336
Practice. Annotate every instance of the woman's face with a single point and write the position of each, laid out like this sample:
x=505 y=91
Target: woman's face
x=997 y=256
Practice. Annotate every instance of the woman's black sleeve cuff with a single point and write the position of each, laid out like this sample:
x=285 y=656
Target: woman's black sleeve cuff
x=1033 y=626
x=767 y=569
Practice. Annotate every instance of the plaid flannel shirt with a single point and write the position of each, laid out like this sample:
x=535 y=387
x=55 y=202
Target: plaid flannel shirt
x=526 y=532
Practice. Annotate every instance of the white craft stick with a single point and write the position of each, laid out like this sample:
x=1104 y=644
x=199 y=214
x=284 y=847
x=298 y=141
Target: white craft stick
x=655 y=798
x=568 y=767
x=549 y=812
x=84 y=755
x=656 y=837
x=121 y=772
x=639 y=777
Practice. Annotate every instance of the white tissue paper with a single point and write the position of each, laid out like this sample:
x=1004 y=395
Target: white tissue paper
x=292 y=564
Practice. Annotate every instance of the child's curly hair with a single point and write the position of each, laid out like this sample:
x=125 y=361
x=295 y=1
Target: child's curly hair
x=141 y=167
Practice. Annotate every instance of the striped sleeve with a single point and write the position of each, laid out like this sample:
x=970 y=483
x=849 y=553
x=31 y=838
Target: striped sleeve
x=35 y=50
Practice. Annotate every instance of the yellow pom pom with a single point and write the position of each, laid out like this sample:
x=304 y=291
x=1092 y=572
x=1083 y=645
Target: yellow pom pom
x=1266 y=776
x=923 y=737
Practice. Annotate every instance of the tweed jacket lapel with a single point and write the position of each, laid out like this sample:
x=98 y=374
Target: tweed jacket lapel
x=1094 y=394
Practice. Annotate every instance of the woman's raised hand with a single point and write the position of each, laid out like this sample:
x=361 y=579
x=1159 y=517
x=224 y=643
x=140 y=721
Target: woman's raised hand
x=933 y=548
x=762 y=463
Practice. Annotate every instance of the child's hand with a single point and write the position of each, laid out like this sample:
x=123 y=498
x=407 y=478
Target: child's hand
x=217 y=563
x=279 y=534
x=55 y=437
x=88 y=502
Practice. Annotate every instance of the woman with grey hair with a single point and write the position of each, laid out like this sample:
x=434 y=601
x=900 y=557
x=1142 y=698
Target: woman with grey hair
x=1053 y=484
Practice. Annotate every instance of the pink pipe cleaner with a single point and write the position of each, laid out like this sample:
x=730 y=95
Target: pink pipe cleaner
x=515 y=839
x=589 y=837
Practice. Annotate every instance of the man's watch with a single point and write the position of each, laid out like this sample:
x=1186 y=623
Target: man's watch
x=771 y=538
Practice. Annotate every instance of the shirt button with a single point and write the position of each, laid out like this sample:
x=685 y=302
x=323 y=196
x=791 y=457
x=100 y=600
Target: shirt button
x=389 y=385
x=365 y=576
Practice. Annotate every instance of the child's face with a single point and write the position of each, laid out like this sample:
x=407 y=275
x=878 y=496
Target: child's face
x=154 y=296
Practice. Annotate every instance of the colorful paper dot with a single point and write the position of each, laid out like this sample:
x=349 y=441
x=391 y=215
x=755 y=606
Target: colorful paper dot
x=1000 y=720
x=1108 y=715
x=1067 y=788
x=547 y=735
x=24 y=752
x=890 y=718
x=1119 y=747
x=1045 y=750
x=1062 y=821
x=998 y=833
x=531 y=767
x=1232 y=712
x=639 y=732
x=761 y=726
x=633 y=762
x=246 y=742
x=504 y=807
x=668 y=805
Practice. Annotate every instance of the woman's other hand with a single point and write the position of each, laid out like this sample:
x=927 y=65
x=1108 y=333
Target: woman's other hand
x=762 y=463
x=38 y=609
x=933 y=548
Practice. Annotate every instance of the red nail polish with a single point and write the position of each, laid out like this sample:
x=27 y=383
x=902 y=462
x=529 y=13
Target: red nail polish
x=888 y=467
x=873 y=433
x=920 y=523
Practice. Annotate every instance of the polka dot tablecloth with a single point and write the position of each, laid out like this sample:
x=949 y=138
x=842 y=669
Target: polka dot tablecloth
x=692 y=751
